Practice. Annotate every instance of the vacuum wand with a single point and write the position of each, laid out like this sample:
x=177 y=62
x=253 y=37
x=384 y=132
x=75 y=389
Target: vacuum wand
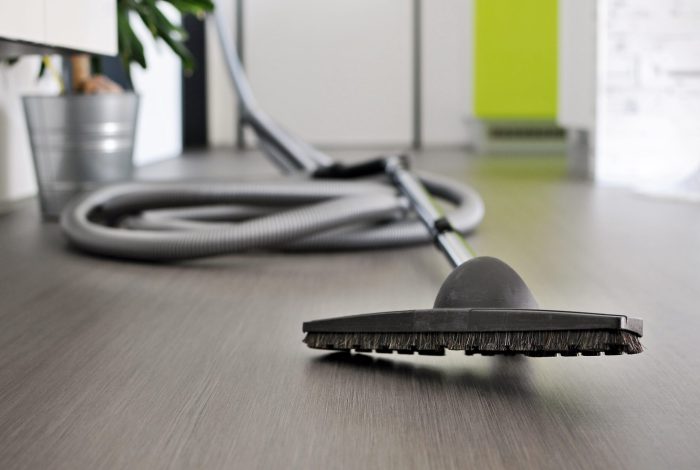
x=483 y=307
x=448 y=240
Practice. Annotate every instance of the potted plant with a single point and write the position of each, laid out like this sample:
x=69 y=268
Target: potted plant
x=85 y=136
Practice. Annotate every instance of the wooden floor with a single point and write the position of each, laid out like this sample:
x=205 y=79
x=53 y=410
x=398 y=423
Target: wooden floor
x=107 y=364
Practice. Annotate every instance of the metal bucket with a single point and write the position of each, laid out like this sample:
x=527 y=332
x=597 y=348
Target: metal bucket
x=79 y=142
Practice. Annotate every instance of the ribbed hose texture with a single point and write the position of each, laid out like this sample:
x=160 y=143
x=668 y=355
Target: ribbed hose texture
x=177 y=221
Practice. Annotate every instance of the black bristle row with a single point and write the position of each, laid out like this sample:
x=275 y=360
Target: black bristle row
x=529 y=343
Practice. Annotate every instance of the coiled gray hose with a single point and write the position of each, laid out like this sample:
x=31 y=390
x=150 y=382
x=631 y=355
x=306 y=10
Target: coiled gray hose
x=177 y=221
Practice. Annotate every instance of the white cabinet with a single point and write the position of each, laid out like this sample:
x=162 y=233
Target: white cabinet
x=334 y=72
x=84 y=25
x=89 y=25
x=23 y=20
x=340 y=72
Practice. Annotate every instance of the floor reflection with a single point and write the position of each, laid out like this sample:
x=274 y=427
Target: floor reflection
x=504 y=375
x=495 y=396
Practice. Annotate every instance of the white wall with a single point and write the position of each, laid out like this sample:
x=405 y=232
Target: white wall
x=340 y=73
x=221 y=106
x=448 y=71
x=648 y=92
x=333 y=72
x=16 y=168
x=577 y=81
x=628 y=75
x=159 y=129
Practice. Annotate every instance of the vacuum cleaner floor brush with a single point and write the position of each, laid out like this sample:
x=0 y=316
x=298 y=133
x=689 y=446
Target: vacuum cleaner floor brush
x=587 y=341
x=483 y=307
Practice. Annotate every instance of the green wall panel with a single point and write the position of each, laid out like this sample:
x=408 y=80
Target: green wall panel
x=516 y=59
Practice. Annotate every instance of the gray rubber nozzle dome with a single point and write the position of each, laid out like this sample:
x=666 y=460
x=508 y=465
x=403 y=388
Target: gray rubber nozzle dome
x=484 y=282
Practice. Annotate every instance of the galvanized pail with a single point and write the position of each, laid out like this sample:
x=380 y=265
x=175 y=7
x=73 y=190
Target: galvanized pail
x=79 y=142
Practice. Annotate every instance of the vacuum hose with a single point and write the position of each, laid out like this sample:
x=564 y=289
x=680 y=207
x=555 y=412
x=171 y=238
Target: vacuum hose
x=180 y=220
x=177 y=221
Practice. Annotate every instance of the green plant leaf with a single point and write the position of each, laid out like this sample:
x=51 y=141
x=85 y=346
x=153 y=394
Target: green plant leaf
x=96 y=64
x=195 y=7
x=130 y=47
x=160 y=27
x=182 y=52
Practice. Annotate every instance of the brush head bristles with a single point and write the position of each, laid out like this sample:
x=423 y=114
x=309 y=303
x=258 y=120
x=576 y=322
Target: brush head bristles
x=529 y=343
x=483 y=307
x=479 y=331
